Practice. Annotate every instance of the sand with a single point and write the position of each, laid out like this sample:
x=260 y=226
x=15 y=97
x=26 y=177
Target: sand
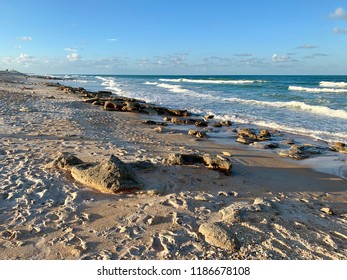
x=276 y=208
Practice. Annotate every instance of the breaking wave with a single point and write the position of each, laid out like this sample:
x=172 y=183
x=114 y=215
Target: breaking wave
x=317 y=90
x=333 y=84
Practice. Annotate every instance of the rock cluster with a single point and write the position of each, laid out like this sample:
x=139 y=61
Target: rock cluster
x=300 y=152
x=218 y=163
x=250 y=135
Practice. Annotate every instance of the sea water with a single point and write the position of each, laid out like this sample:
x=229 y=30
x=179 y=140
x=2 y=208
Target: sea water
x=314 y=106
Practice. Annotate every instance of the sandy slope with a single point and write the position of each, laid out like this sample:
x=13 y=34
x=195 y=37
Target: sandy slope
x=44 y=214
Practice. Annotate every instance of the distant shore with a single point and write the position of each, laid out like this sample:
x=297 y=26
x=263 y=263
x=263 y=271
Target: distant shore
x=268 y=208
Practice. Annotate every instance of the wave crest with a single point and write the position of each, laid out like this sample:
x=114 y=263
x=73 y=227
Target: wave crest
x=333 y=84
x=317 y=90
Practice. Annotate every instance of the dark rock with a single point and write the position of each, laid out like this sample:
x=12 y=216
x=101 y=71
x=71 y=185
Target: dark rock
x=181 y=159
x=154 y=123
x=201 y=124
x=208 y=117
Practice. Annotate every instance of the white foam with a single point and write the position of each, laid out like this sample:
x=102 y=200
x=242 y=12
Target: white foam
x=317 y=90
x=172 y=88
x=202 y=81
x=110 y=84
x=151 y=83
x=293 y=105
x=333 y=84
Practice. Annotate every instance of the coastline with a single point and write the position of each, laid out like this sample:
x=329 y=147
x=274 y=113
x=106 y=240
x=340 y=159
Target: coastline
x=272 y=205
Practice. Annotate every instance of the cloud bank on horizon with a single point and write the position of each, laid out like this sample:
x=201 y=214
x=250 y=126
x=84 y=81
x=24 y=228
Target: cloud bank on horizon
x=185 y=37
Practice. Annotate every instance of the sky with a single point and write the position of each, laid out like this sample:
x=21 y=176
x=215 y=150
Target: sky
x=178 y=37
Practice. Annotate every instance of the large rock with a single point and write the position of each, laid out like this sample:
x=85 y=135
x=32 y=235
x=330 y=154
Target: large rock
x=219 y=235
x=218 y=163
x=301 y=152
x=109 y=176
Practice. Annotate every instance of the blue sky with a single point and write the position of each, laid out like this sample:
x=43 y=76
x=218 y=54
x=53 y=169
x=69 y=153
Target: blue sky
x=174 y=37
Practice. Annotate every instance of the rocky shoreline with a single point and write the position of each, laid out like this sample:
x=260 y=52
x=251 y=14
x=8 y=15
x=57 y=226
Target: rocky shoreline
x=80 y=182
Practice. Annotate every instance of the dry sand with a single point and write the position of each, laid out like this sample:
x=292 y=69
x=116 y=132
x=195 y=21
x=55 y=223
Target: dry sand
x=274 y=207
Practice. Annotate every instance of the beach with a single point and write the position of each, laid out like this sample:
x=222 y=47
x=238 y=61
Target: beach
x=269 y=207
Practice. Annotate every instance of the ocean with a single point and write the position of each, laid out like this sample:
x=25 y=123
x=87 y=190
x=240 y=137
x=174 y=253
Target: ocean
x=314 y=106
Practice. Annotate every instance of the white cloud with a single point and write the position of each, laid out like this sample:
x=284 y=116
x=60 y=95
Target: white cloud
x=307 y=46
x=112 y=40
x=339 y=14
x=281 y=58
x=340 y=30
x=25 y=38
x=25 y=59
x=73 y=56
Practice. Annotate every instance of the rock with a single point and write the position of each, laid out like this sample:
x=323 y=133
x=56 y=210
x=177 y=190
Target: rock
x=150 y=111
x=109 y=176
x=226 y=123
x=219 y=235
x=150 y=122
x=338 y=147
x=327 y=210
x=300 y=152
x=244 y=140
x=218 y=163
x=198 y=134
x=181 y=159
x=241 y=211
x=217 y=124
x=201 y=124
x=227 y=154
x=208 y=117
x=65 y=161
x=178 y=113
x=109 y=106
x=159 y=129
x=131 y=106
x=262 y=145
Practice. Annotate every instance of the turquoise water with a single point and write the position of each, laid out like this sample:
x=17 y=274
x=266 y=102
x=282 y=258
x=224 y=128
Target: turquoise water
x=313 y=106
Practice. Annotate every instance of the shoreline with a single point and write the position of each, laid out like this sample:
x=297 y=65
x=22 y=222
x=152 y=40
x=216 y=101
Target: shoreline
x=272 y=205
